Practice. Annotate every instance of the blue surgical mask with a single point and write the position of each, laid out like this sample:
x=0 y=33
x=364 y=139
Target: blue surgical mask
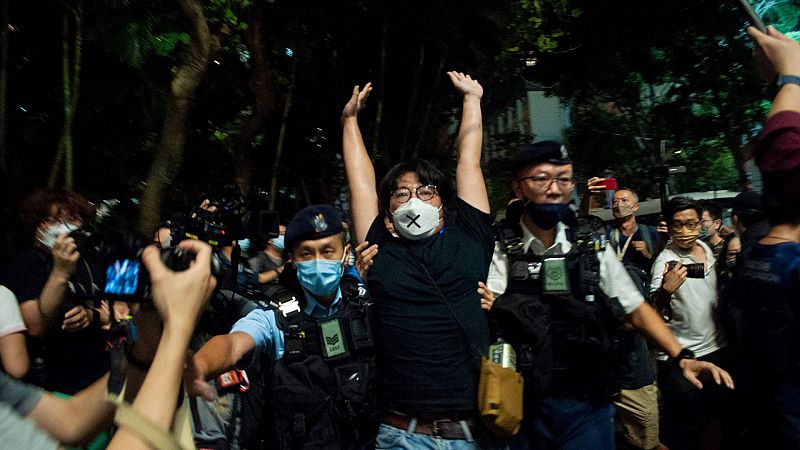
x=244 y=244
x=277 y=243
x=320 y=276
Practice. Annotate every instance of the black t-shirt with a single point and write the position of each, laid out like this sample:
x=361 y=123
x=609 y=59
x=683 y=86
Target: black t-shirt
x=427 y=365
x=765 y=291
x=60 y=361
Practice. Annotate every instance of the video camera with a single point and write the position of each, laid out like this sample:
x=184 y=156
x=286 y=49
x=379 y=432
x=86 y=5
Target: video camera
x=126 y=278
x=225 y=217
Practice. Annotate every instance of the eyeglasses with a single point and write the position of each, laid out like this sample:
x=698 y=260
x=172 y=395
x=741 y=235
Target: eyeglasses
x=690 y=225
x=424 y=193
x=543 y=182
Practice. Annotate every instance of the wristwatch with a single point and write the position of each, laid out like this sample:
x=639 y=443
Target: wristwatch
x=684 y=354
x=788 y=79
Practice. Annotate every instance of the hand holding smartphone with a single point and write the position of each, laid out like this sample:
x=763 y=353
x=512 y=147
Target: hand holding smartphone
x=610 y=184
x=755 y=20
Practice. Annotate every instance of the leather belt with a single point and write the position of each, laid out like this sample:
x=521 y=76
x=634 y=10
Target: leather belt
x=441 y=428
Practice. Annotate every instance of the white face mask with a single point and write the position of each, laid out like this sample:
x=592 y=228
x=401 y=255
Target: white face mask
x=415 y=219
x=48 y=236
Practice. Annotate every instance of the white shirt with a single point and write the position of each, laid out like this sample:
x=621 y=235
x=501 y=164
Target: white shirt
x=10 y=316
x=614 y=279
x=693 y=304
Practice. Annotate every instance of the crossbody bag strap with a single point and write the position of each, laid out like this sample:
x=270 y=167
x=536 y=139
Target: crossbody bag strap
x=467 y=336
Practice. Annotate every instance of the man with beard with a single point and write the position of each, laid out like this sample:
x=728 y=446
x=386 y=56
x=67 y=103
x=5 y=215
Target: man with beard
x=684 y=290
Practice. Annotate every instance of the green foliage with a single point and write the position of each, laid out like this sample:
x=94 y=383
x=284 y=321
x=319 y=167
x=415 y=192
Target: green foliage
x=227 y=12
x=164 y=44
x=538 y=25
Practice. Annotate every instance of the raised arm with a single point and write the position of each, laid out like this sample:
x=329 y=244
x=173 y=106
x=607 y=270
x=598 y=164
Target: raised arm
x=179 y=298
x=470 y=185
x=358 y=166
x=43 y=313
x=777 y=54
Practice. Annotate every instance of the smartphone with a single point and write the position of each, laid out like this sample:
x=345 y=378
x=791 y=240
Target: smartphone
x=610 y=184
x=755 y=20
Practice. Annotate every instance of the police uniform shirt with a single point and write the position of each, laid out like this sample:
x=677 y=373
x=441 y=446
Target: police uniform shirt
x=262 y=326
x=614 y=279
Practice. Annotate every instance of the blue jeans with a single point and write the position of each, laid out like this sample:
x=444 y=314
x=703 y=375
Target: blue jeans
x=566 y=424
x=392 y=438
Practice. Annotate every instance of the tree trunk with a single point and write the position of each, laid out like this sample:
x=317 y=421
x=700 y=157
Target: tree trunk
x=429 y=107
x=412 y=102
x=71 y=76
x=382 y=85
x=276 y=164
x=263 y=95
x=732 y=136
x=3 y=86
x=184 y=84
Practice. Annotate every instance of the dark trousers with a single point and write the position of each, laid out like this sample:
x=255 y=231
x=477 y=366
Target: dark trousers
x=688 y=411
x=566 y=424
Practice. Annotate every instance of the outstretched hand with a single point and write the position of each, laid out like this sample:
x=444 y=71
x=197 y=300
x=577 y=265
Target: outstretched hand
x=356 y=102
x=693 y=368
x=465 y=84
x=195 y=382
x=776 y=53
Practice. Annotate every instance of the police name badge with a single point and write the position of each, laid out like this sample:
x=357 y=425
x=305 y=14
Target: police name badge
x=556 y=278
x=333 y=345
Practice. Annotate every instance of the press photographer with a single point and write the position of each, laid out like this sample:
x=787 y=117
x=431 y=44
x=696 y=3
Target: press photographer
x=33 y=418
x=222 y=219
x=56 y=283
x=684 y=291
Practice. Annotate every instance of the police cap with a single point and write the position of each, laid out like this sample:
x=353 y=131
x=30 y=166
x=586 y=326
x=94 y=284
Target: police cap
x=311 y=223
x=540 y=152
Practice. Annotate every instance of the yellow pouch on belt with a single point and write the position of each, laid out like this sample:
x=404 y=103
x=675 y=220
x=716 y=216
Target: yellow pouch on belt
x=500 y=398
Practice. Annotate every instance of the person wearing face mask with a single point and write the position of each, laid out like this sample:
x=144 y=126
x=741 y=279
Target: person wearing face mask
x=637 y=405
x=433 y=247
x=562 y=297
x=269 y=262
x=315 y=348
x=690 y=304
x=711 y=226
x=56 y=286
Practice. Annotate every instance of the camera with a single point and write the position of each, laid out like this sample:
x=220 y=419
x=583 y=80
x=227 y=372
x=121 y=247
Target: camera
x=227 y=216
x=697 y=270
x=127 y=280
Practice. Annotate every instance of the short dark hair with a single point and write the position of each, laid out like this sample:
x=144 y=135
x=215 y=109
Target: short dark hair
x=713 y=208
x=37 y=205
x=427 y=173
x=633 y=193
x=678 y=204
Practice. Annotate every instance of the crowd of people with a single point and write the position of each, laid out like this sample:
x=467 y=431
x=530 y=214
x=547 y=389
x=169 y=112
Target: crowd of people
x=368 y=332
